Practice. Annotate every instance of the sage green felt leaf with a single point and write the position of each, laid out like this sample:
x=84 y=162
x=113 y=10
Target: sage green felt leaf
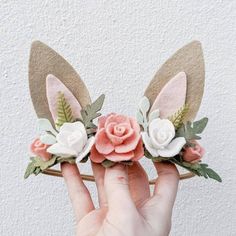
x=45 y=125
x=139 y=118
x=108 y=163
x=64 y=112
x=85 y=159
x=91 y=112
x=29 y=170
x=70 y=160
x=141 y=115
x=128 y=163
x=209 y=173
x=190 y=130
x=178 y=117
x=48 y=139
x=200 y=125
x=147 y=154
x=43 y=165
x=37 y=171
x=154 y=115
x=144 y=105
x=200 y=169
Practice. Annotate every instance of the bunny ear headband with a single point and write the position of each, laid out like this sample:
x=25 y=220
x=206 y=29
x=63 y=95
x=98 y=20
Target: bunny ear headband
x=71 y=128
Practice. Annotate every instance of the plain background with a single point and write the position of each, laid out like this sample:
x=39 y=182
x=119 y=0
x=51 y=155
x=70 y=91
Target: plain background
x=116 y=46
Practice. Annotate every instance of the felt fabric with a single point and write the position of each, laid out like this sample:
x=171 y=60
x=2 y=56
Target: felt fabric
x=53 y=87
x=190 y=60
x=45 y=61
x=172 y=96
x=193 y=154
x=117 y=139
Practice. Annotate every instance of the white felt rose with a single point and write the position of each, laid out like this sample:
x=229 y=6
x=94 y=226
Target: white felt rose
x=160 y=141
x=72 y=140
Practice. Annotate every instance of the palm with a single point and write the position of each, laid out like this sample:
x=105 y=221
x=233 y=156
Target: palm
x=126 y=205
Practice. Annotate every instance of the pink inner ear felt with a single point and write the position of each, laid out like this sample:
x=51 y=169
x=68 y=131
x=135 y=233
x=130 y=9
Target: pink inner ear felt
x=172 y=96
x=53 y=86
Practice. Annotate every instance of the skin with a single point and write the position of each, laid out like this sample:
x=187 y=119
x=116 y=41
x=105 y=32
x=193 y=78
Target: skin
x=126 y=205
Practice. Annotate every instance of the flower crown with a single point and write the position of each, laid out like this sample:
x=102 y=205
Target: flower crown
x=72 y=129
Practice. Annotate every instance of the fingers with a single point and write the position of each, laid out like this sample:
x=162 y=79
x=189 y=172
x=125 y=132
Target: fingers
x=117 y=189
x=79 y=195
x=99 y=173
x=138 y=183
x=167 y=183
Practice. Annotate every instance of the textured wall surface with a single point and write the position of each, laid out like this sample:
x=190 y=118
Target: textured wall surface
x=116 y=46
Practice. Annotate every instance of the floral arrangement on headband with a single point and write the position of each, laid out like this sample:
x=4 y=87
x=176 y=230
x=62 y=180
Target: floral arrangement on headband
x=72 y=129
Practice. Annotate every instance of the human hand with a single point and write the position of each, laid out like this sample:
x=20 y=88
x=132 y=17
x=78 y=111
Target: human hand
x=127 y=207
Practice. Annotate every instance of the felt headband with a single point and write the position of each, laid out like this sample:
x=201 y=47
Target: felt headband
x=163 y=129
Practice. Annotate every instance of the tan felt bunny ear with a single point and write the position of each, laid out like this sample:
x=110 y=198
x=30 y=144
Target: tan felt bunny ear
x=187 y=60
x=45 y=61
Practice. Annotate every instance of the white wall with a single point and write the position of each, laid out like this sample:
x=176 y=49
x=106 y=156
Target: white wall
x=116 y=46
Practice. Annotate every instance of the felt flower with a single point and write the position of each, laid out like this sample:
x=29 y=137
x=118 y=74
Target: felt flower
x=193 y=154
x=117 y=139
x=160 y=141
x=72 y=140
x=40 y=149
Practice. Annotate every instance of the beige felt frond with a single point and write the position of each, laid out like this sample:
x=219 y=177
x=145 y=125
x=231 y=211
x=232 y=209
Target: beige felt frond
x=178 y=118
x=45 y=61
x=188 y=59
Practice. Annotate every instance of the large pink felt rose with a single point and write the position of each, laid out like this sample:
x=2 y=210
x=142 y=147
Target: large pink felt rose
x=193 y=154
x=117 y=139
x=40 y=149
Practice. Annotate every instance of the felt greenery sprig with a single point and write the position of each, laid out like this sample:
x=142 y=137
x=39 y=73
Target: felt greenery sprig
x=64 y=111
x=72 y=139
x=173 y=140
x=91 y=112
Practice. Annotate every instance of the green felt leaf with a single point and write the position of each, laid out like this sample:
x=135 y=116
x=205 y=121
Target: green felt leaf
x=141 y=115
x=153 y=115
x=70 y=160
x=147 y=154
x=91 y=112
x=128 y=163
x=199 y=126
x=85 y=159
x=209 y=173
x=139 y=118
x=43 y=165
x=37 y=171
x=64 y=112
x=29 y=170
x=160 y=159
x=144 y=105
x=48 y=139
x=190 y=131
x=199 y=169
x=108 y=163
x=45 y=125
x=178 y=117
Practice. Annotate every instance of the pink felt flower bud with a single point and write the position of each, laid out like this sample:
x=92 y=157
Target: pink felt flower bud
x=193 y=154
x=40 y=149
x=117 y=139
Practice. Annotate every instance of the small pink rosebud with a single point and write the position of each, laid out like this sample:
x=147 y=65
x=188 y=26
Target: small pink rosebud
x=193 y=154
x=40 y=149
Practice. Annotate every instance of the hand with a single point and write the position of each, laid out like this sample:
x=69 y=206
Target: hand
x=126 y=206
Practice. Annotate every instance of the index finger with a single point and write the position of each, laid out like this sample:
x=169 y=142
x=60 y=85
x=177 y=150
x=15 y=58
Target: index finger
x=79 y=194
